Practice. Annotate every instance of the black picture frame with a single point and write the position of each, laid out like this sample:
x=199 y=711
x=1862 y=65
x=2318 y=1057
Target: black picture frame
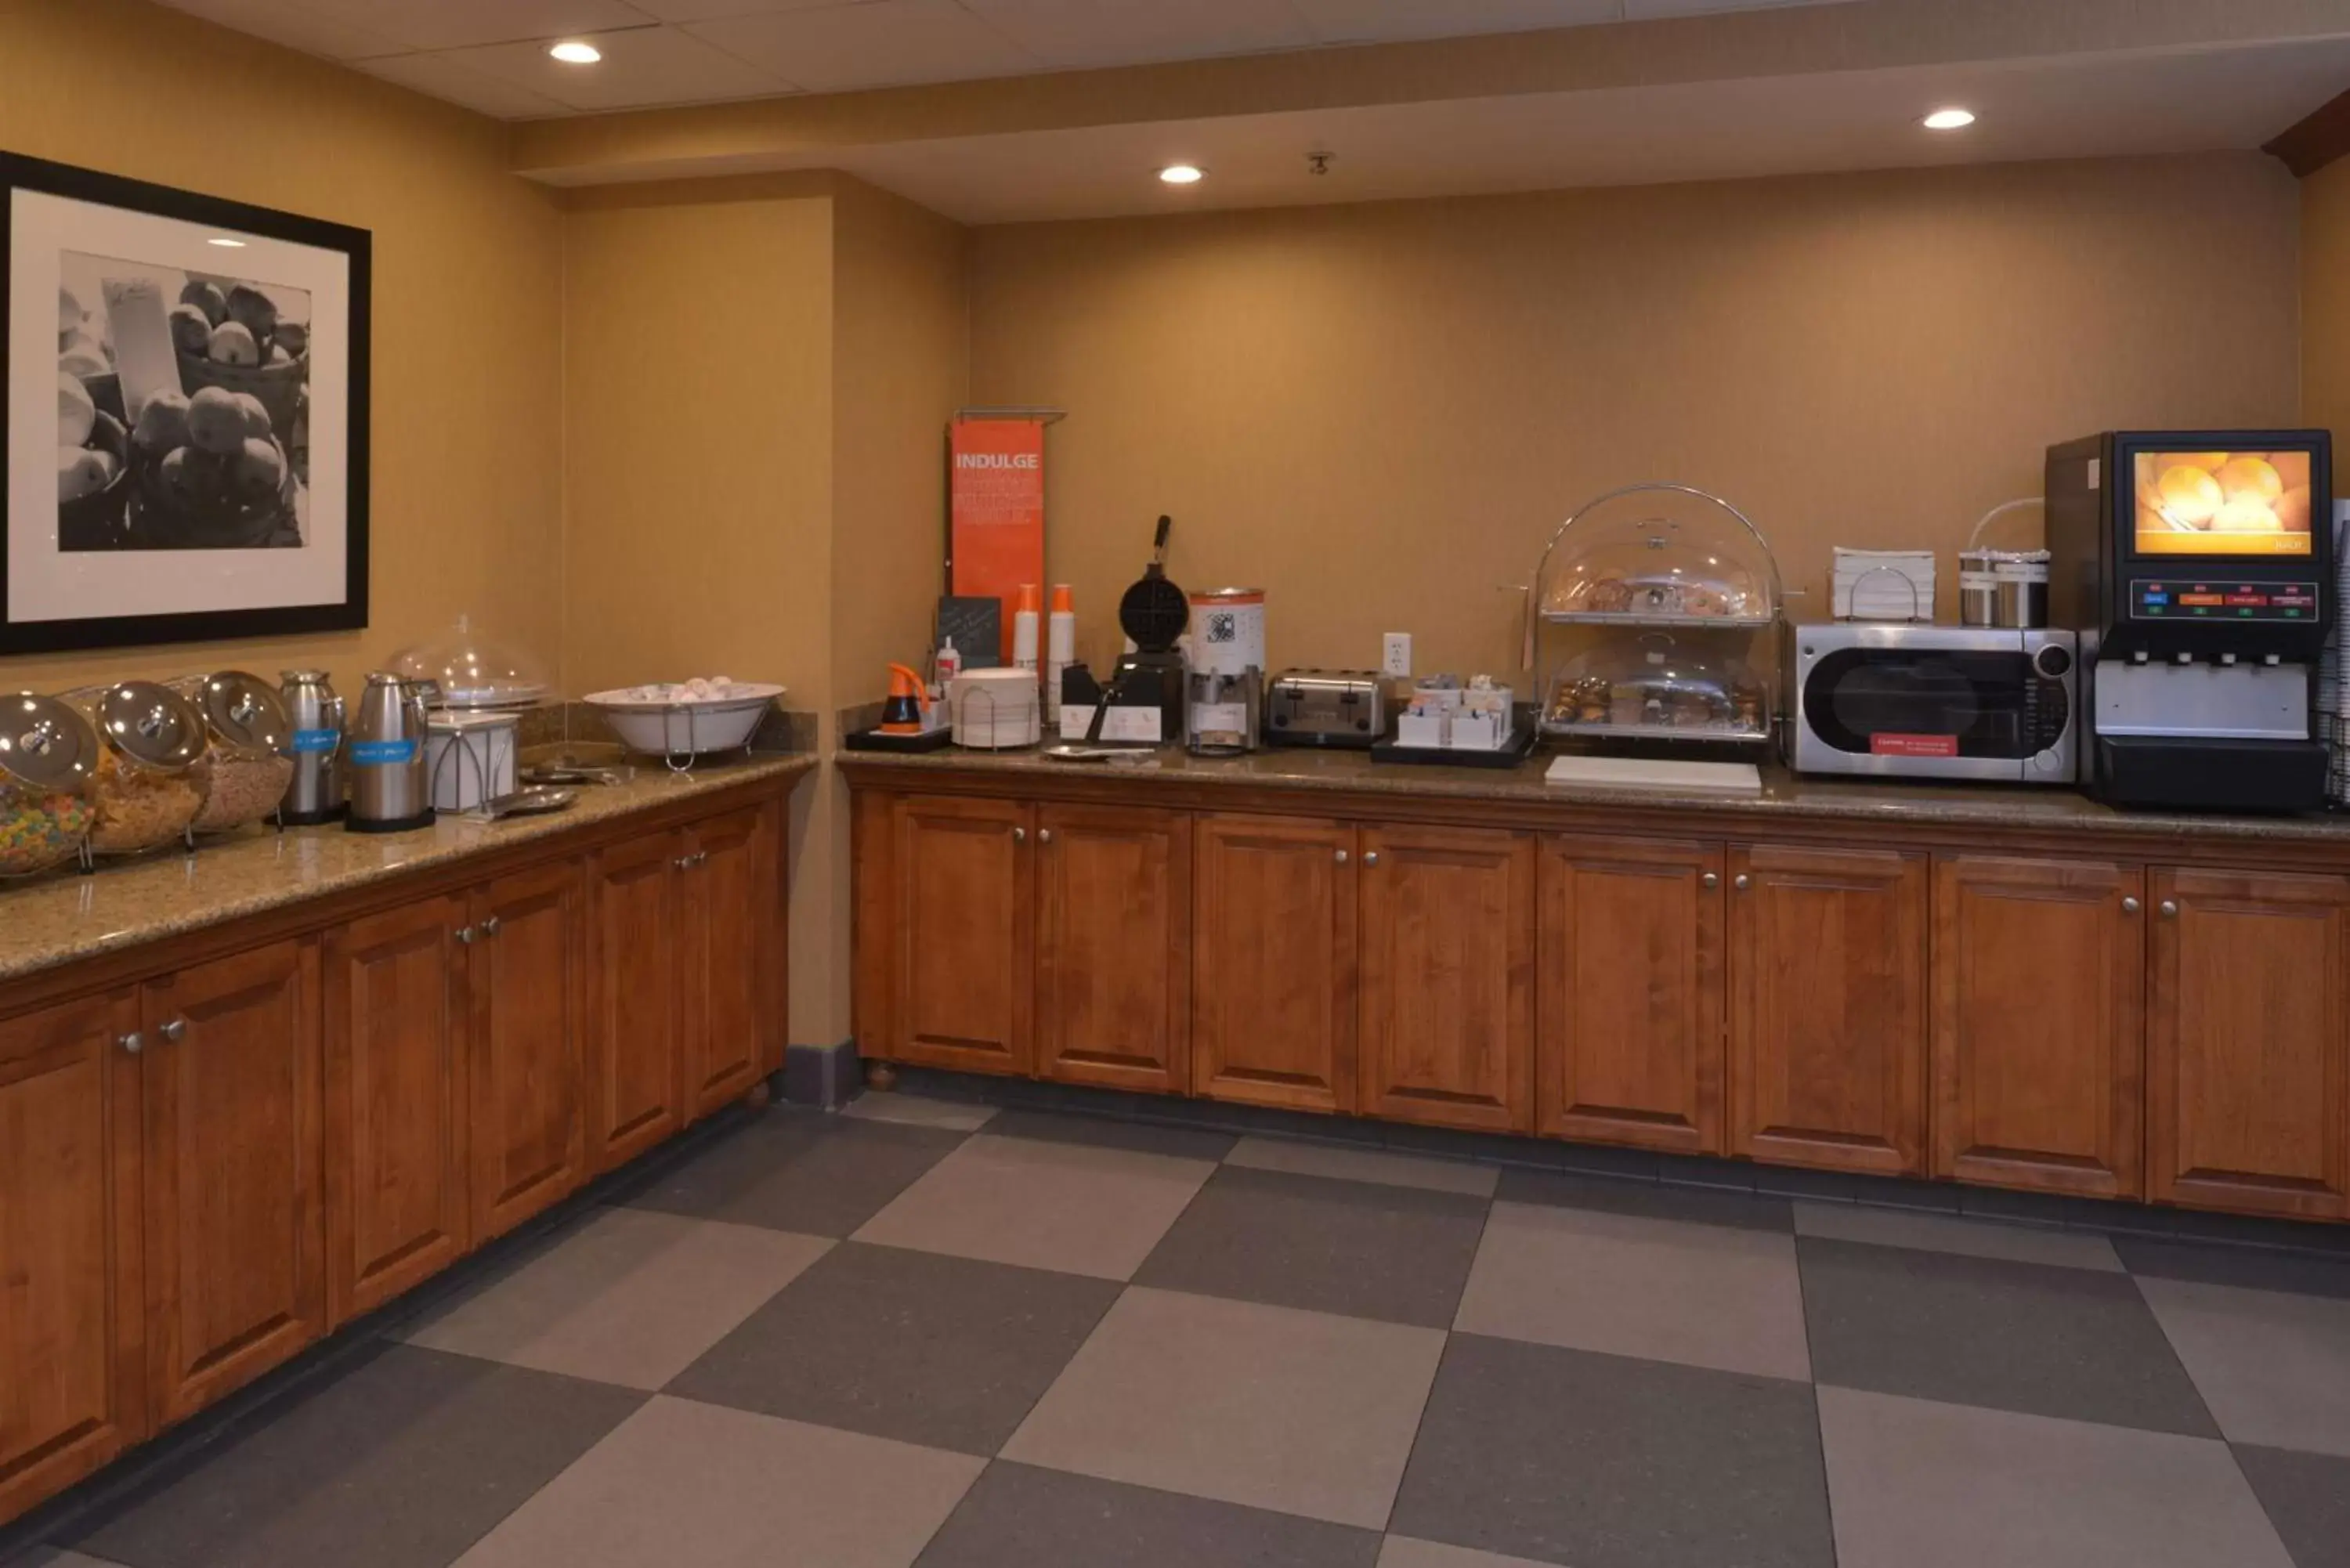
x=21 y=172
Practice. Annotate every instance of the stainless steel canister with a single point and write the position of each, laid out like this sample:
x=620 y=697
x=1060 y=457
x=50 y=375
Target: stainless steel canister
x=2023 y=579
x=315 y=713
x=391 y=785
x=1978 y=588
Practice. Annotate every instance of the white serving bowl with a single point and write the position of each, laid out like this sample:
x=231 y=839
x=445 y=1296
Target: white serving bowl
x=674 y=727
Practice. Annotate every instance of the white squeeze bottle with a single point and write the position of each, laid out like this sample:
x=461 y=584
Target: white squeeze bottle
x=950 y=662
x=1060 y=646
x=1023 y=629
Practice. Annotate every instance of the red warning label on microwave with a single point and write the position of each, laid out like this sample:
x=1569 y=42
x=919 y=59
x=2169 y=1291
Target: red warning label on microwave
x=1885 y=743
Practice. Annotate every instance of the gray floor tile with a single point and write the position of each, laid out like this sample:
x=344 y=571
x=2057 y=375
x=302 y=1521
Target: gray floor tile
x=2028 y=1337
x=1403 y=1552
x=799 y=1170
x=1400 y=1254
x=2307 y=1496
x=1077 y=1207
x=404 y=1461
x=50 y=1557
x=1946 y=1233
x=920 y=1111
x=2274 y=1368
x=916 y=1346
x=632 y=1297
x=1694 y=1205
x=1019 y=1516
x=1345 y=1162
x=700 y=1487
x=1109 y=1132
x=2253 y=1268
x=1267 y=1406
x=1603 y=1461
x=1703 y=1295
x=1918 y=1484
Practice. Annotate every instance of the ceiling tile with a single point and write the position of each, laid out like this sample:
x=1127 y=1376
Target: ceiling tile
x=295 y=23
x=641 y=67
x=706 y=10
x=438 y=76
x=1378 y=21
x=879 y=43
x=1126 y=32
x=457 y=24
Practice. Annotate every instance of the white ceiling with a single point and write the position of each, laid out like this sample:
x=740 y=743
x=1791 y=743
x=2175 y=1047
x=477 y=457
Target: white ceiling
x=490 y=54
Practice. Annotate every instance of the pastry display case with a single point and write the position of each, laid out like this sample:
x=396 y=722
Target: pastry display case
x=1653 y=620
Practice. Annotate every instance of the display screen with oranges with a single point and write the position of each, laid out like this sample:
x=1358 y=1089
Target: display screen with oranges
x=2223 y=503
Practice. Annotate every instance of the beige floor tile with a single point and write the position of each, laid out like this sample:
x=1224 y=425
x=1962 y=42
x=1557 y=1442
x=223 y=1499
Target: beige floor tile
x=1403 y=1552
x=1945 y=1233
x=1070 y=1207
x=2274 y=1368
x=1703 y=1295
x=1273 y=1408
x=632 y=1297
x=680 y=1483
x=919 y=1111
x=1916 y=1484
x=1373 y=1165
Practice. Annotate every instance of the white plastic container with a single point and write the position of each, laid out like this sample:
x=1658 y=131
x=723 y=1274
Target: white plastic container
x=995 y=709
x=471 y=758
x=1228 y=631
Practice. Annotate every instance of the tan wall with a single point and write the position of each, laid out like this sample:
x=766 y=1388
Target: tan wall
x=2325 y=304
x=467 y=392
x=1380 y=412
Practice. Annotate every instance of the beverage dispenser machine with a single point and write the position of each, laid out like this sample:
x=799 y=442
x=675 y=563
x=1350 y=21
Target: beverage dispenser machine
x=2198 y=568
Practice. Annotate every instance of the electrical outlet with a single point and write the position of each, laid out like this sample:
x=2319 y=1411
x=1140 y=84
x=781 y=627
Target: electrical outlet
x=1395 y=658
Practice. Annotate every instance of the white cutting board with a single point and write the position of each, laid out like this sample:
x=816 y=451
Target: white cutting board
x=1649 y=773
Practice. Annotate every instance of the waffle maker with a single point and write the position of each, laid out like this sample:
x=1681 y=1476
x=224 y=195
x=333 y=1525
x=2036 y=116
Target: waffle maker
x=1152 y=613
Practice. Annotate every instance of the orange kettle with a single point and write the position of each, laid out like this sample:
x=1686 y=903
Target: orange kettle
x=903 y=713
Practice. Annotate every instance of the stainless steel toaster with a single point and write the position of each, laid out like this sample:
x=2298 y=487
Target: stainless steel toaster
x=1324 y=707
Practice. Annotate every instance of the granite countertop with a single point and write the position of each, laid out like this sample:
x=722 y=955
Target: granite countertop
x=2017 y=807
x=62 y=917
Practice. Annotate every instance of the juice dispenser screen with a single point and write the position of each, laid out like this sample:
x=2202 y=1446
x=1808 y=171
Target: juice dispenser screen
x=2223 y=503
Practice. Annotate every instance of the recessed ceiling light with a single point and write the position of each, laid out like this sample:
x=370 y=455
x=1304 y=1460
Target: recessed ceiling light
x=1949 y=120
x=1181 y=174
x=226 y=243
x=573 y=52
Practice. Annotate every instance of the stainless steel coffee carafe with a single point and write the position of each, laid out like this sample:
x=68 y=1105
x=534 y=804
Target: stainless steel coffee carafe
x=315 y=792
x=391 y=790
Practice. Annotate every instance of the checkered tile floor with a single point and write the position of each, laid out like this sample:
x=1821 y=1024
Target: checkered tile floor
x=927 y=1334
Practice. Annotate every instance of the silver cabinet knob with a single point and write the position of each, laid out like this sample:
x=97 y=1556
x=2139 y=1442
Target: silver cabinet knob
x=699 y=857
x=1044 y=836
x=133 y=1043
x=1711 y=880
x=1341 y=858
x=489 y=926
x=174 y=1032
x=2129 y=905
x=464 y=933
x=1742 y=881
x=1370 y=858
x=683 y=862
x=1019 y=836
x=2169 y=908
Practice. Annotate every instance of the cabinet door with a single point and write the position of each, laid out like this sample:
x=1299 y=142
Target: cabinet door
x=71 y=1316
x=2247 y=1103
x=1273 y=962
x=529 y=1138
x=1631 y=993
x=636 y=1061
x=1828 y=1023
x=1114 y=946
x=395 y=1105
x=236 y=1224
x=2039 y=1023
x=732 y=953
x=964 y=935
x=1448 y=976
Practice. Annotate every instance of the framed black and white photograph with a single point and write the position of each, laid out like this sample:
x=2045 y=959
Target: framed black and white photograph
x=187 y=415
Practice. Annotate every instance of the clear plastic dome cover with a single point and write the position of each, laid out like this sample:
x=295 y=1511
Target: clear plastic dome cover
x=469 y=669
x=1656 y=683
x=1660 y=552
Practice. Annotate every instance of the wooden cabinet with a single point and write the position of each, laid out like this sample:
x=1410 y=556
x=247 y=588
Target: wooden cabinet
x=2039 y=1023
x=636 y=1063
x=2246 y=1102
x=1631 y=987
x=959 y=935
x=524 y=982
x=1828 y=1031
x=1273 y=944
x=395 y=1101
x=234 y=1227
x=1114 y=946
x=1447 y=965
x=731 y=986
x=72 y=1385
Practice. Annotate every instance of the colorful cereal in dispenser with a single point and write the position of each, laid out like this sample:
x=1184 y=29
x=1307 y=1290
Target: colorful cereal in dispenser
x=48 y=757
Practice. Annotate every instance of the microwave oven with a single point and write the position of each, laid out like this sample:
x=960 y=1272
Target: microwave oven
x=1900 y=700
